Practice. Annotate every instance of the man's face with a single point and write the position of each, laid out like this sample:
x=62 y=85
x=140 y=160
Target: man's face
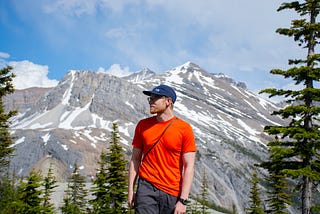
x=158 y=103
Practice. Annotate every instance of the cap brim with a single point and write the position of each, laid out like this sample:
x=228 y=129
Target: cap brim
x=148 y=93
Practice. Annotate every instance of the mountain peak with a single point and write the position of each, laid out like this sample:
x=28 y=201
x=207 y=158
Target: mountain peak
x=144 y=74
x=189 y=66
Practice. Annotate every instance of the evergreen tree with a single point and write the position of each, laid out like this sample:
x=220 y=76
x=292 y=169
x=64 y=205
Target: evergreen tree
x=101 y=201
x=30 y=194
x=49 y=184
x=201 y=202
x=75 y=201
x=234 y=209
x=9 y=197
x=255 y=200
x=194 y=208
x=204 y=193
x=279 y=194
x=6 y=87
x=297 y=150
x=8 y=190
x=116 y=178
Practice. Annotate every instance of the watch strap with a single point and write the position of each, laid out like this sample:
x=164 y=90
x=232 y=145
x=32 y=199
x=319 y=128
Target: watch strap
x=184 y=201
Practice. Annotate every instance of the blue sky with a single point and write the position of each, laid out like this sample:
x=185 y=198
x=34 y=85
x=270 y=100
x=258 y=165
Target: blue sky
x=44 y=39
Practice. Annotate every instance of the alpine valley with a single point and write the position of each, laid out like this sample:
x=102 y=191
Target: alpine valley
x=71 y=123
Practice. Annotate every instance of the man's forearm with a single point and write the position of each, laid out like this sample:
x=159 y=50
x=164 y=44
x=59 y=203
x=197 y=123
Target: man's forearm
x=187 y=175
x=187 y=183
x=132 y=176
x=134 y=168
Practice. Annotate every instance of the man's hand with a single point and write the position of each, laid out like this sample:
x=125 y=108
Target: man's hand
x=131 y=200
x=180 y=208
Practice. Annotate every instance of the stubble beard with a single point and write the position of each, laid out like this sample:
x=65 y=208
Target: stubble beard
x=153 y=110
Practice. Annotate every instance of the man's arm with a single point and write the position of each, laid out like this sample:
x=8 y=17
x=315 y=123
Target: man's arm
x=188 y=173
x=133 y=174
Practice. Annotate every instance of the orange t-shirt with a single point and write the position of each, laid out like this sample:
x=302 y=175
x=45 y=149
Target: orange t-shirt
x=163 y=164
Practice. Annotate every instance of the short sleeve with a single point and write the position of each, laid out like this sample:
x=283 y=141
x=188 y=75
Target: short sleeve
x=137 y=139
x=189 y=143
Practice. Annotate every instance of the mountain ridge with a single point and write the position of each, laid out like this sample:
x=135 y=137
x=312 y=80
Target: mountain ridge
x=72 y=122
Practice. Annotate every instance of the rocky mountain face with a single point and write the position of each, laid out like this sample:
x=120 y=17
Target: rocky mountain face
x=25 y=99
x=71 y=123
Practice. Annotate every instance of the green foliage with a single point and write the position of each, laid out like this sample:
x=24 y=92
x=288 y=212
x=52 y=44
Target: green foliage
x=30 y=194
x=201 y=202
x=204 y=193
x=49 y=183
x=110 y=188
x=279 y=193
x=101 y=201
x=6 y=87
x=117 y=173
x=75 y=201
x=255 y=202
x=9 y=197
x=315 y=209
x=280 y=197
x=69 y=207
x=295 y=152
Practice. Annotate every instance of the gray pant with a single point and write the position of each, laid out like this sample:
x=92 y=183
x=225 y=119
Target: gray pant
x=150 y=200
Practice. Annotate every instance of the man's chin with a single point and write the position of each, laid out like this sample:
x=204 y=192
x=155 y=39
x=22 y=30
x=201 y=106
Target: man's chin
x=152 y=111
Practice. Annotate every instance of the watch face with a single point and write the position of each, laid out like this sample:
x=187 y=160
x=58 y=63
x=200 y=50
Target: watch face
x=183 y=201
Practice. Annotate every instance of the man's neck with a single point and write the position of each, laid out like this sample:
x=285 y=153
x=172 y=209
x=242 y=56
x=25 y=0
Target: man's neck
x=165 y=116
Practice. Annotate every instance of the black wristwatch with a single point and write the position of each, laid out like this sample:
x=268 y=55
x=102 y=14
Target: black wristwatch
x=184 y=201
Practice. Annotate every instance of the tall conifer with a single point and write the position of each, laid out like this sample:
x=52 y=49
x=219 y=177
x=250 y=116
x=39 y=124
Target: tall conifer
x=204 y=193
x=255 y=202
x=298 y=147
x=75 y=198
x=49 y=183
x=8 y=188
x=117 y=174
x=6 y=87
x=101 y=201
x=110 y=185
x=9 y=195
x=30 y=194
x=200 y=204
x=279 y=196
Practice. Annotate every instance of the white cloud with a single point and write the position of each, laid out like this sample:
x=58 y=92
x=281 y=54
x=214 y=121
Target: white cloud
x=116 y=70
x=233 y=37
x=4 y=55
x=101 y=70
x=29 y=75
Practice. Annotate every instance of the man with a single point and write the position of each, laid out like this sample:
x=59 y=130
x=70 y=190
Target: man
x=163 y=158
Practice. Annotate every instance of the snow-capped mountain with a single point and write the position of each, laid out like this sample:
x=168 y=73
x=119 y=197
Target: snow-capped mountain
x=72 y=122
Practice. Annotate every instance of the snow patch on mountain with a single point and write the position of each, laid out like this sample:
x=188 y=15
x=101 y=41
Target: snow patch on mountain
x=70 y=117
x=67 y=94
x=20 y=140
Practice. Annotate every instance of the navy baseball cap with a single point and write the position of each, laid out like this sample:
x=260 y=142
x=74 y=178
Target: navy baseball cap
x=163 y=90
